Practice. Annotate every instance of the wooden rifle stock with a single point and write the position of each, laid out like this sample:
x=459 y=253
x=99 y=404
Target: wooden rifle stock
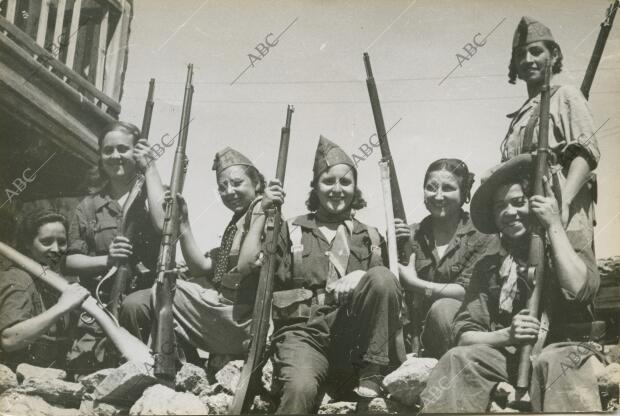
x=246 y=388
x=536 y=260
x=130 y=347
x=597 y=53
x=124 y=272
x=164 y=341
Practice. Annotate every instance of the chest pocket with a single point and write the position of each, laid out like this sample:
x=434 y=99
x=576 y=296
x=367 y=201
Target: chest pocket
x=105 y=230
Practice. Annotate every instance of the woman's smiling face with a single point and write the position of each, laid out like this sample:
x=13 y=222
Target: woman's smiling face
x=335 y=189
x=236 y=188
x=511 y=210
x=442 y=194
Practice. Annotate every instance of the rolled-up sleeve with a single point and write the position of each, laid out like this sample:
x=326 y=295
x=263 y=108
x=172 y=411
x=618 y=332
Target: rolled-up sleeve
x=578 y=128
x=16 y=303
x=77 y=232
x=590 y=285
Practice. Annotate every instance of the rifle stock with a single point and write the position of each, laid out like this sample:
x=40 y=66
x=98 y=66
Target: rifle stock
x=597 y=53
x=130 y=347
x=262 y=306
x=536 y=259
x=164 y=340
x=124 y=272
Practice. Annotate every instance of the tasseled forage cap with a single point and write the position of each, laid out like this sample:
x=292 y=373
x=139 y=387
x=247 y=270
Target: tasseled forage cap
x=229 y=157
x=327 y=155
x=530 y=30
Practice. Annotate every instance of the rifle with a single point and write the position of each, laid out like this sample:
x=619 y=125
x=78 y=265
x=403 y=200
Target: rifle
x=536 y=257
x=262 y=306
x=384 y=167
x=124 y=271
x=405 y=248
x=164 y=341
x=597 y=53
x=129 y=346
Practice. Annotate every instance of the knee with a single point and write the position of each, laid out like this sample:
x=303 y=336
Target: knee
x=443 y=311
x=459 y=354
x=382 y=280
x=300 y=386
x=134 y=305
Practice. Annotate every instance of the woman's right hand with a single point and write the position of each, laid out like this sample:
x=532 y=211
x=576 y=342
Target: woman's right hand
x=403 y=232
x=524 y=328
x=120 y=249
x=183 y=210
x=73 y=296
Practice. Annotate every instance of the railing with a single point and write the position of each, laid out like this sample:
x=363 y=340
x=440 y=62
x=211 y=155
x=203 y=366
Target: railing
x=82 y=42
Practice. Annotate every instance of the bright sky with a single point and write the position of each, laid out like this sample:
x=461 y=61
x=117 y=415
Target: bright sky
x=317 y=66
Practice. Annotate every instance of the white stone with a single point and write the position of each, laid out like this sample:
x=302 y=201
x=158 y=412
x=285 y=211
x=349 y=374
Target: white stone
x=15 y=403
x=162 y=400
x=8 y=379
x=125 y=384
x=25 y=371
x=407 y=382
x=53 y=391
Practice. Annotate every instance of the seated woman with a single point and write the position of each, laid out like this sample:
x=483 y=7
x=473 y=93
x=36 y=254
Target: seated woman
x=494 y=321
x=214 y=314
x=96 y=245
x=337 y=313
x=446 y=246
x=34 y=320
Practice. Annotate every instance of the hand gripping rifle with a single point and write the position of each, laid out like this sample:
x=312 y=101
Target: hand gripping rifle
x=536 y=259
x=164 y=341
x=124 y=272
x=130 y=347
x=404 y=247
x=250 y=374
x=597 y=53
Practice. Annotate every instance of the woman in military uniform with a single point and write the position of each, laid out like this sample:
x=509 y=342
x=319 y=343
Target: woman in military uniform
x=574 y=147
x=337 y=314
x=446 y=246
x=96 y=245
x=213 y=310
x=35 y=320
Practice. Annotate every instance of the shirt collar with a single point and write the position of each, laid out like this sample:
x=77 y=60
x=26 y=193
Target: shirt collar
x=309 y=221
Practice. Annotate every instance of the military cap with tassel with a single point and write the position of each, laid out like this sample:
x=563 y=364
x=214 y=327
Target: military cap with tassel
x=229 y=157
x=329 y=154
x=529 y=31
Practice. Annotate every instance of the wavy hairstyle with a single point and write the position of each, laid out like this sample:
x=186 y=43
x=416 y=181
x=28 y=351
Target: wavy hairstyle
x=29 y=226
x=459 y=169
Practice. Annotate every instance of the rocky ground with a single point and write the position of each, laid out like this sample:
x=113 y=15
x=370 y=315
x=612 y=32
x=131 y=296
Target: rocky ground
x=131 y=389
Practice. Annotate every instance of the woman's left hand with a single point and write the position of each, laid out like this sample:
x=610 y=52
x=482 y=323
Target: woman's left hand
x=344 y=287
x=546 y=207
x=142 y=154
x=273 y=195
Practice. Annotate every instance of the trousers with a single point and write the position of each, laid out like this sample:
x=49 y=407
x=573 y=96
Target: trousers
x=437 y=334
x=325 y=353
x=563 y=379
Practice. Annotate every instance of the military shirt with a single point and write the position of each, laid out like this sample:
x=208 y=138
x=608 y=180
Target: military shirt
x=22 y=298
x=481 y=308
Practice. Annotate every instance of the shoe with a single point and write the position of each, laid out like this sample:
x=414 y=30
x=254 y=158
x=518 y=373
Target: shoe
x=369 y=387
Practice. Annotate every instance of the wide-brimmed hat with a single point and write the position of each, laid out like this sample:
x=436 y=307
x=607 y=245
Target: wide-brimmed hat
x=481 y=207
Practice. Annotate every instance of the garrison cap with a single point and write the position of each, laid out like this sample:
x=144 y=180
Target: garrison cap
x=229 y=157
x=329 y=154
x=530 y=30
x=481 y=207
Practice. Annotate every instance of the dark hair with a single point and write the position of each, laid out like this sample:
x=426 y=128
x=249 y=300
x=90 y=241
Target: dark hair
x=459 y=169
x=7 y=225
x=257 y=178
x=97 y=177
x=313 y=203
x=32 y=221
x=550 y=45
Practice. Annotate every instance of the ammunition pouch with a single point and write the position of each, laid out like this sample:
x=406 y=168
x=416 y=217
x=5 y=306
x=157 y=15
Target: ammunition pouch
x=230 y=286
x=292 y=304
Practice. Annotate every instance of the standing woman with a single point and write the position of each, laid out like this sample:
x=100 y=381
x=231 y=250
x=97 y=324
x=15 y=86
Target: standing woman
x=446 y=247
x=95 y=244
x=337 y=313
x=213 y=311
x=573 y=145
